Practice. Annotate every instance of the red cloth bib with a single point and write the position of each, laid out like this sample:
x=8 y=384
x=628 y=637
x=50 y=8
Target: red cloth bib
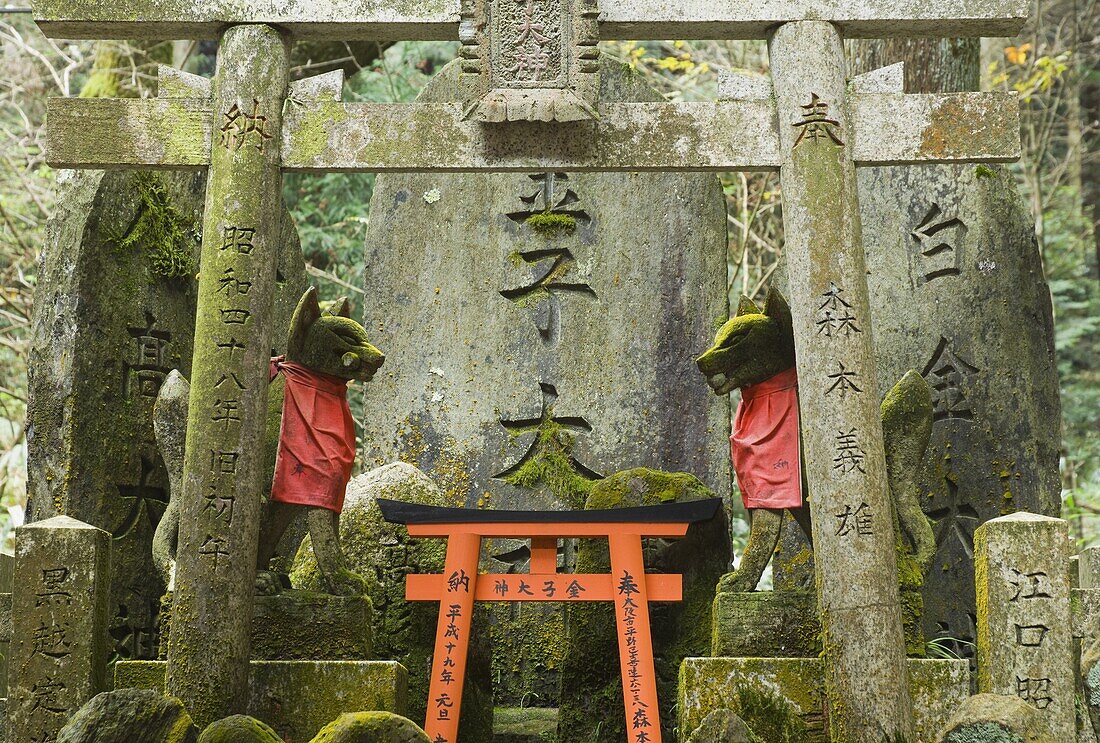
x=764 y=445
x=316 y=439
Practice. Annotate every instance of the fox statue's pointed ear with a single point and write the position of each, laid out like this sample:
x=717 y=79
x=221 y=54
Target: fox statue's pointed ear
x=746 y=306
x=340 y=307
x=305 y=314
x=776 y=307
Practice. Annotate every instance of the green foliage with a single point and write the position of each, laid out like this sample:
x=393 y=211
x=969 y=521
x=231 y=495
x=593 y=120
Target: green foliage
x=331 y=210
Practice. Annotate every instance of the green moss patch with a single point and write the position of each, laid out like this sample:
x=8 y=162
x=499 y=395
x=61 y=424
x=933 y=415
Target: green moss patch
x=164 y=236
x=550 y=224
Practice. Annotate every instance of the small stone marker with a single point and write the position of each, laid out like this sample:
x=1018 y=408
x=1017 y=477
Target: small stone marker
x=59 y=612
x=1024 y=630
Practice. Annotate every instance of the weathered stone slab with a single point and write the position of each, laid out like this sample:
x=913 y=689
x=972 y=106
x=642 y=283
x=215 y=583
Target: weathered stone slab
x=562 y=315
x=1084 y=604
x=1024 y=634
x=224 y=469
x=298 y=698
x=114 y=313
x=302 y=625
x=60 y=598
x=787 y=694
x=638 y=19
x=1088 y=568
x=378 y=137
x=940 y=242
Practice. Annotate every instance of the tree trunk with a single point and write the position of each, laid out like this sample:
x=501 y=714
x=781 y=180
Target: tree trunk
x=931 y=65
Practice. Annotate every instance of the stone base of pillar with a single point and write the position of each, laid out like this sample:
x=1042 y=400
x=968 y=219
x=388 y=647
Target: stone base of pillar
x=785 y=624
x=777 y=696
x=298 y=698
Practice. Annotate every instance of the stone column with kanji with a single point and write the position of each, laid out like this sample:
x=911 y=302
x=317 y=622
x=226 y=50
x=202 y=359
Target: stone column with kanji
x=223 y=469
x=853 y=524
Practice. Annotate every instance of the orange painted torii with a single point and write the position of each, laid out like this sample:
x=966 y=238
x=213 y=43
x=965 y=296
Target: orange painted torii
x=627 y=585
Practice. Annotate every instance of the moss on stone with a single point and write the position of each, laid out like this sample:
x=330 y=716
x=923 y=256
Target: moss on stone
x=239 y=729
x=552 y=465
x=983 y=732
x=551 y=224
x=371 y=727
x=984 y=171
x=165 y=237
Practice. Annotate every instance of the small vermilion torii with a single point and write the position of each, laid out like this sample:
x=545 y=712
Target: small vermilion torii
x=628 y=586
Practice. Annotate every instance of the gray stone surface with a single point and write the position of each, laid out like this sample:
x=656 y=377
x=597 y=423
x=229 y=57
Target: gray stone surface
x=783 y=699
x=60 y=598
x=1025 y=646
x=688 y=19
x=404 y=631
x=298 y=698
x=130 y=716
x=853 y=522
x=224 y=467
x=991 y=718
x=530 y=61
x=723 y=726
x=765 y=624
x=108 y=326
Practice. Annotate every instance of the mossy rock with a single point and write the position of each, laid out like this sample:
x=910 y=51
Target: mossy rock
x=239 y=729
x=371 y=727
x=130 y=716
x=591 y=684
x=993 y=718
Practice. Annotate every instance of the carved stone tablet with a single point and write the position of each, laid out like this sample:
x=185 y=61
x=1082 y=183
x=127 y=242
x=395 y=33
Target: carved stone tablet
x=530 y=60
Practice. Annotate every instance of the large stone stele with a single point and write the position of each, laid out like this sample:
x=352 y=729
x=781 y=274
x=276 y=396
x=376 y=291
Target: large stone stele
x=592 y=690
x=404 y=631
x=114 y=312
x=522 y=310
x=540 y=331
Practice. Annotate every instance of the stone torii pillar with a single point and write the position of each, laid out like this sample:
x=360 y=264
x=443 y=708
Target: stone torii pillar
x=208 y=649
x=866 y=674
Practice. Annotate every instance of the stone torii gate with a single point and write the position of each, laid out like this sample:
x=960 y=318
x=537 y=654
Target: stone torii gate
x=530 y=110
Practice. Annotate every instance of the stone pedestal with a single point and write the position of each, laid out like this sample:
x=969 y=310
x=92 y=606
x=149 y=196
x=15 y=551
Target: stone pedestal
x=304 y=625
x=298 y=698
x=783 y=698
x=1024 y=620
x=60 y=599
x=766 y=624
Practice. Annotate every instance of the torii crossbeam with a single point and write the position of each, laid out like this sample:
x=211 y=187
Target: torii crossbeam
x=247 y=130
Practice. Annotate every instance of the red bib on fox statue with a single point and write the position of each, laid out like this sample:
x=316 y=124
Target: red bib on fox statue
x=764 y=444
x=316 y=440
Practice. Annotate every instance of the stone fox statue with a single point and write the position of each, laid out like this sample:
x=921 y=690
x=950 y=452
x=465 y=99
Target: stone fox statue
x=754 y=351
x=326 y=350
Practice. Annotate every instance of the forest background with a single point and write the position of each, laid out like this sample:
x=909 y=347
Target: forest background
x=1054 y=65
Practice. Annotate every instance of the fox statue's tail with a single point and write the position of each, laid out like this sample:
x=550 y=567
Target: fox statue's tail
x=170 y=428
x=906 y=429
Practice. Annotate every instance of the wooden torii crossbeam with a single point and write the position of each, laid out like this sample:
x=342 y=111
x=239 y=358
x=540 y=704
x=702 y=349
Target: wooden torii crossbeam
x=807 y=124
x=627 y=586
